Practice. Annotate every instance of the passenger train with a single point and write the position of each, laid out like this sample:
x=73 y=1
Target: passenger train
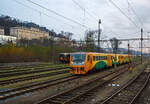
x=83 y=62
x=64 y=58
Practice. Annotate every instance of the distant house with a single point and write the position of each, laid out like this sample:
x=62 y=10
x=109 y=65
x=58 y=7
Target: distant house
x=28 y=33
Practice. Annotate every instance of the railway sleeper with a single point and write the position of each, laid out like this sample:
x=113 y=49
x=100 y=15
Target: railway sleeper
x=121 y=100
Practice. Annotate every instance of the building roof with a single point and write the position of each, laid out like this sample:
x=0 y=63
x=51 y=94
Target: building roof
x=31 y=28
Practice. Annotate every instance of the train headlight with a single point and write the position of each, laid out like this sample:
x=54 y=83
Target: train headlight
x=72 y=62
x=82 y=63
x=82 y=68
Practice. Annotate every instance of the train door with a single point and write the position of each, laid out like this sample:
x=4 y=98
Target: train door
x=121 y=59
x=109 y=61
x=89 y=61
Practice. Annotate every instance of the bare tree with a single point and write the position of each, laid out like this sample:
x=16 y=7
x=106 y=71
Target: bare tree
x=89 y=40
x=115 y=44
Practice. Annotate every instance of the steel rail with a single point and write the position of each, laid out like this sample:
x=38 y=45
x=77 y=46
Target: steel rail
x=33 y=87
x=18 y=66
x=18 y=73
x=80 y=96
x=125 y=86
x=10 y=81
x=74 y=88
x=136 y=96
x=36 y=86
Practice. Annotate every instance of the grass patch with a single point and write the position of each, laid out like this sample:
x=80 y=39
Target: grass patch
x=134 y=72
x=34 y=68
x=33 y=74
x=34 y=81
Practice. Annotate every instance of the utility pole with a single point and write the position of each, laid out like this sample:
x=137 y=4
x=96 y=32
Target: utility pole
x=52 y=48
x=148 y=43
x=99 y=32
x=141 y=45
x=129 y=65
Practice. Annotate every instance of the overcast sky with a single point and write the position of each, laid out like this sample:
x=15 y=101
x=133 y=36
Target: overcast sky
x=114 y=23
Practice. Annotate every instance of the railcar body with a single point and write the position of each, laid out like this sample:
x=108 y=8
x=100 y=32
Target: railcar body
x=64 y=57
x=83 y=62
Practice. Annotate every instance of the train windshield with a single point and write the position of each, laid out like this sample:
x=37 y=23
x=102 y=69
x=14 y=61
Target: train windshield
x=77 y=59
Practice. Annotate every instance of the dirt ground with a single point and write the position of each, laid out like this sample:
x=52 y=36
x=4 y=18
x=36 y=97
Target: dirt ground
x=99 y=94
x=102 y=93
x=144 y=97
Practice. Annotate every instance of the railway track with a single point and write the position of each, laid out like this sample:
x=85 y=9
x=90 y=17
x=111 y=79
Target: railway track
x=36 y=86
x=27 y=68
x=70 y=96
x=76 y=94
x=19 y=64
x=32 y=87
x=128 y=93
x=40 y=85
x=23 y=72
x=10 y=81
x=9 y=67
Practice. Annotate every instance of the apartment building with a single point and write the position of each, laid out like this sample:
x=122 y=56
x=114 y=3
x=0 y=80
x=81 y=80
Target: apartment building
x=28 y=33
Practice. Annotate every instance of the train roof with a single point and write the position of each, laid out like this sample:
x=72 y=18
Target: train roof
x=95 y=53
x=64 y=53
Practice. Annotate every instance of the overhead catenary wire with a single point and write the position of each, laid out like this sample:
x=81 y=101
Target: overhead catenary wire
x=60 y=15
x=61 y=22
x=75 y=2
x=42 y=12
x=132 y=9
x=93 y=15
x=115 y=5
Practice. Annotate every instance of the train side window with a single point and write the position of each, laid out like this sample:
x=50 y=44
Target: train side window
x=96 y=58
x=105 y=57
x=93 y=58
x=102 y=57
x=99 y=57
x=88 y=58
x=111 y=57
x=115 y=58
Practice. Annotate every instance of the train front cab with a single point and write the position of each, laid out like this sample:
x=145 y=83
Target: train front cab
x=93 y=61
x=81 y=67
x=64 y=57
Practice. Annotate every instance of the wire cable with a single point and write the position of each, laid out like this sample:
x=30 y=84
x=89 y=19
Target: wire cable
x=124 y=14
x=41 y=12
x=75 y=2
x=134 y=12
x=60 y=15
